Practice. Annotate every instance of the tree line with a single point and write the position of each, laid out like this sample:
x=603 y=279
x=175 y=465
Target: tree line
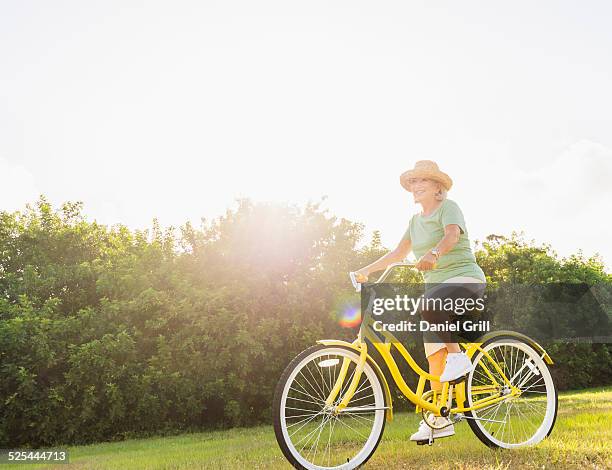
x=108 y=333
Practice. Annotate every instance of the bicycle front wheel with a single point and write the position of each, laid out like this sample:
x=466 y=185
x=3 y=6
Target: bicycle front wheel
x=313 y=435
x=528 y=414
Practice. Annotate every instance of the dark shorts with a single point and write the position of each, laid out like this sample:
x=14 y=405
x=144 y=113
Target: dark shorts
x=451 y=303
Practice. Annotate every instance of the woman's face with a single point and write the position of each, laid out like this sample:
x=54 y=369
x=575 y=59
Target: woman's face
x=423 y=189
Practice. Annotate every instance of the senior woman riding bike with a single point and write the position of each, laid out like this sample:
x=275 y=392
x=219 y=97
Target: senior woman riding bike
x=438 y=237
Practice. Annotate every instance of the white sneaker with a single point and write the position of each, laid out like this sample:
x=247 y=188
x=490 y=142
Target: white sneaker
x=425 y=431
x=457 y=365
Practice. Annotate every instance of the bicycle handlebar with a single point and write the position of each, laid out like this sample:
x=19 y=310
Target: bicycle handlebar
x=356 y=285
x=384 y=275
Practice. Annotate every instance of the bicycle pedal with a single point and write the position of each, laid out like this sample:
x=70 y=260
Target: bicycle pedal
x=458 y=381
x=424 y=442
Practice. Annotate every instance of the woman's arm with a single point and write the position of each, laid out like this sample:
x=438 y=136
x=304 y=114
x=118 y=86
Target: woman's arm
x=450 y=239
x=394 y=256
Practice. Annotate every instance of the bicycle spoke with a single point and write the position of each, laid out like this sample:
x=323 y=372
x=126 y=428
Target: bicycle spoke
x=301 y=427
x=308 y=394
x=350 y=427
x=521 y=415
x=312 y=427
x=331 y=431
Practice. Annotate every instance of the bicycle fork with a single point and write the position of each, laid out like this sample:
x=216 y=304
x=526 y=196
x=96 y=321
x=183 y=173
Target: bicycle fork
x=356 y=376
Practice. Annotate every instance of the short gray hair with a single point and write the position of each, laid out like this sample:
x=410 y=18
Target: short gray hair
x=442 y=193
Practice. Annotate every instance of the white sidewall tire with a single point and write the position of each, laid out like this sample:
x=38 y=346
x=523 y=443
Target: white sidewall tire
x=280 y=402
x=551 y=396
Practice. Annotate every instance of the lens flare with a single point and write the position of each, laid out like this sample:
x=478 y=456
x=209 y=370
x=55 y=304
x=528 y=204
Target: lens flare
x=350 y=317
x=346 y=310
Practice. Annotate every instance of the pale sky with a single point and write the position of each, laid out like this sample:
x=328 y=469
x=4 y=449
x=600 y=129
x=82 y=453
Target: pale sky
x=175 y=109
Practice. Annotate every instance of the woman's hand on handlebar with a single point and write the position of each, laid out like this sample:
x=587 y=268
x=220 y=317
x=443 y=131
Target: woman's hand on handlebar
x=427 y=262
x=358 y=278
x=361 y=276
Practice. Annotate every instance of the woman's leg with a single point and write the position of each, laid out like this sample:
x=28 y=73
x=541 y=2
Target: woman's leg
x=436 y=366
x=445 y=359
x=436 y=361
x=452 y=347
x=453 y=364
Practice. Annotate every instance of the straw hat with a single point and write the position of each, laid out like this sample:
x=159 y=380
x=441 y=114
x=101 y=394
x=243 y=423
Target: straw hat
x=426 y=169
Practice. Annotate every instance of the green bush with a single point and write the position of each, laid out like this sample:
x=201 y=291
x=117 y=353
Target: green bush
x=107 y=333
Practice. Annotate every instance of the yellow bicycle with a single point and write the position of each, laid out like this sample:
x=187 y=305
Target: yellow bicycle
x=332 y=400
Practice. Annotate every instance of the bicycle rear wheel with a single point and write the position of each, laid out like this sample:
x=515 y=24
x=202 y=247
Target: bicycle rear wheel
x=519 y=420
x=310 y=434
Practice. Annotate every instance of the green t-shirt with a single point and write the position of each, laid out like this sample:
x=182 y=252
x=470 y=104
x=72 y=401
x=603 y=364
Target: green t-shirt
x=425 y=232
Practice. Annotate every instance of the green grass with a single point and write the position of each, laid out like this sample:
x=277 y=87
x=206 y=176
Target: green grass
x=582 y=438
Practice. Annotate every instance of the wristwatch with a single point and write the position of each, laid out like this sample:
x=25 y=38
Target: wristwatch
x=436 y=253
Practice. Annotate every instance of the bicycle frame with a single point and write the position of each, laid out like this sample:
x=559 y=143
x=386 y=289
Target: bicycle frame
x=458 y=392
